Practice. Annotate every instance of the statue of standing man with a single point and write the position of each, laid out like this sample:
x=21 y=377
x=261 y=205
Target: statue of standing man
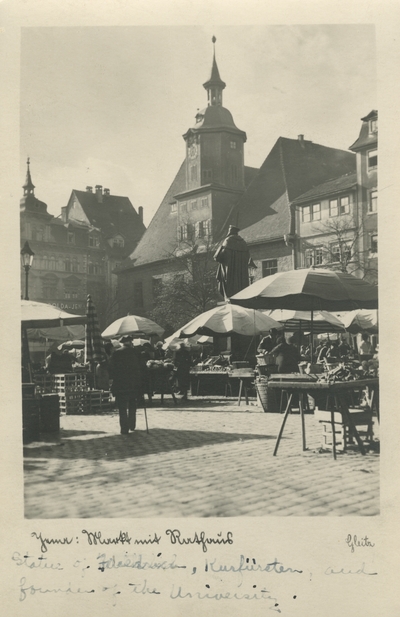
x=233 y=259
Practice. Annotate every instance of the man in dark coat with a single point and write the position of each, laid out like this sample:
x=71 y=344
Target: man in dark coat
x=183 y=362
x=125 y=372
x=233 y=259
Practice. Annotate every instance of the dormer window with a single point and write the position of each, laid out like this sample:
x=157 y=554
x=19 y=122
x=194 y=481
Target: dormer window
x=71 y=237
x=373 y=125
x=118 y=242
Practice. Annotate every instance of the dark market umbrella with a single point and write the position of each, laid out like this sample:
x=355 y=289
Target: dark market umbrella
x=94 y=346
x=309 y=290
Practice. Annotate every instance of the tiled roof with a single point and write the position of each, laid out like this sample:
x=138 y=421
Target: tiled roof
x=114 y=215
x=160 y=238
x=343 y=183
x=292 y=167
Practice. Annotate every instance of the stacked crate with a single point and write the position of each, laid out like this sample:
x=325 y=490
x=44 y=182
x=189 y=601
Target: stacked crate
x=96 y=401
x=71 y=389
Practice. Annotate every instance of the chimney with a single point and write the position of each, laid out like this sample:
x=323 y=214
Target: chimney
x=89 y=189
x=301 y=138
x=106 y=191
x=99 y=193
x=140 y=211
x=64 y=214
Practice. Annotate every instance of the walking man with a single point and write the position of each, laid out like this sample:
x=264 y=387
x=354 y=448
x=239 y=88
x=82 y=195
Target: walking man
x=125 y=372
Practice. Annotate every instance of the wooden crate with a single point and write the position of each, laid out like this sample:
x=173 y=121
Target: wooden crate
x=96 y=401
x=72 y=403
x=70 y=381
x=343 y=434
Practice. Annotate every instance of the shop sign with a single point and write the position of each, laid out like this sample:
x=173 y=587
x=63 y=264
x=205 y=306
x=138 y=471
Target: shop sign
x=69 y=306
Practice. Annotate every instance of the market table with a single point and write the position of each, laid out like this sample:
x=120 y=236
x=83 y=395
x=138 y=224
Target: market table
x=334 y=390
x=246 y=378
x=213 y=377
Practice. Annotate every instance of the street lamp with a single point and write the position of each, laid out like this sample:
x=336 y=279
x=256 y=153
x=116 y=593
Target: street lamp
x=26 y=260
x=252 y=270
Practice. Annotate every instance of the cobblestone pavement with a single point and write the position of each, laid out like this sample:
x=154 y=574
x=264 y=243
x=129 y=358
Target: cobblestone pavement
x=199 y=459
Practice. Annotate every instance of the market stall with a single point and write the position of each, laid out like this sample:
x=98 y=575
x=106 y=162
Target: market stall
x=306 y=290
x=338 y=417
x=224 y=320
x=40 y=399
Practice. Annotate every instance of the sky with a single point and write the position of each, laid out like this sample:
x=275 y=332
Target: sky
x=109 y=105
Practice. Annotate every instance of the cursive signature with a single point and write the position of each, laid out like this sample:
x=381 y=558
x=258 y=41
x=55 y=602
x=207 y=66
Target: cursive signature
x=353 y=542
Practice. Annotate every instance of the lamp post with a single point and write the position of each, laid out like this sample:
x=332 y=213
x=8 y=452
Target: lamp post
x=26 y=260
x=252 y=270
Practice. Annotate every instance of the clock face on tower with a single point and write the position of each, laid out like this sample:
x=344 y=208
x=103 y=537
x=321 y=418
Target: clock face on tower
x=193 y=151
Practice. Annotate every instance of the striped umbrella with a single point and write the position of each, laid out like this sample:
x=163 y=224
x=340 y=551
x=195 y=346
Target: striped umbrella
x=94 y=346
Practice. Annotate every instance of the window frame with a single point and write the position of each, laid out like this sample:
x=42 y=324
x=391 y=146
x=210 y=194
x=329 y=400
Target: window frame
x=264 y=267
x=315 y=211
x=344 y=209
x=371 y=201
x=372 y=161
x=138 y=298
x=373 y=244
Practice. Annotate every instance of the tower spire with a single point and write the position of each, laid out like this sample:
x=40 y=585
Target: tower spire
x=29 y=187
x=214 y=85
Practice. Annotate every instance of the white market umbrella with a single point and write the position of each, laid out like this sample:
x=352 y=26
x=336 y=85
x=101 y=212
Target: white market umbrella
x=133 y=325
x=361 y=320
x=41 y=315
x=174 y=341
x=227 y=318
x=37 y=315
x=301 y=320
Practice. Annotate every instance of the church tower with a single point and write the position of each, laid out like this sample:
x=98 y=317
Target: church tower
x=214 y=163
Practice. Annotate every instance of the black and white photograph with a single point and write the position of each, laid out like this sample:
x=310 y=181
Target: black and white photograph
x=199 y=271
x=198 y=333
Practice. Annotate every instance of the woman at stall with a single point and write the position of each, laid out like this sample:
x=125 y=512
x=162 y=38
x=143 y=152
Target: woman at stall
x=286 y=355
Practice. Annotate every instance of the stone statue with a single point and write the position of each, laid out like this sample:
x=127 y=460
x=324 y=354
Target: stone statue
x=233 y=259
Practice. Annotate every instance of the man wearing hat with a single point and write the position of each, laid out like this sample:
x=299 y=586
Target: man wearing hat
x=125 y=371
x=233 y=258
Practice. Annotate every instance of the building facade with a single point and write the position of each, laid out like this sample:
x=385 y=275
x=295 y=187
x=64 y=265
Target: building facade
x=336 y=222
x=214 y=188
x=77 y=252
